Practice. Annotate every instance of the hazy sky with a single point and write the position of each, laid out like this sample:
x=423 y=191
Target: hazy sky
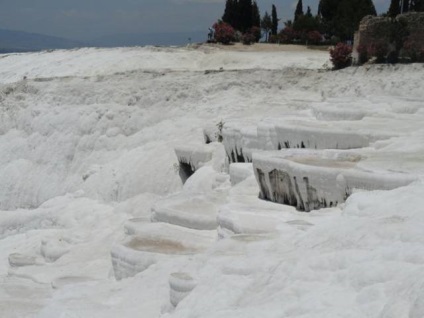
x=88 y=19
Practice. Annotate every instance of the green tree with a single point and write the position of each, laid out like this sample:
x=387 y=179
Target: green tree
x=241 y=14
x=266 y=24
x=299 y=10
x=246 y=15
x=350 y=14
x=405 y=6
x=327 y=9
x=308 y=12
x=417 y=5
x=230 y=12
x=274 y=19
x=305 y=24
x=342 y=17
x=256 y=16
x=408 y=5
x=394 y=8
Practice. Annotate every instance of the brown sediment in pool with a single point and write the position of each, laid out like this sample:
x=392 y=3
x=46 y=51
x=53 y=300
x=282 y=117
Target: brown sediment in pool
x=161 y=246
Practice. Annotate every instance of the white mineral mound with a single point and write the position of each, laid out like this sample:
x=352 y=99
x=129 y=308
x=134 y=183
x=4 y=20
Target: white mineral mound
x=87 y=143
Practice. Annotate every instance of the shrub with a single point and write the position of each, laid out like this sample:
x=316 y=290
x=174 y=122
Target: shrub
x=288 y=35
x=256 y=32
x=224 y=32
x=341 y=56
x=248 y=39
x=378 y=50
x=314 y=37
x=334 y=40
x=273 y=38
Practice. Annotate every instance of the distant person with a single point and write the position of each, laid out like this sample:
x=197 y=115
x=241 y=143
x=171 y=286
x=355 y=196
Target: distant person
x=210 y=34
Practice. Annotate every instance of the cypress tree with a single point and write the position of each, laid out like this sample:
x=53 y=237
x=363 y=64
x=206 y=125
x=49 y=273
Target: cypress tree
x=326 y=12
x=299 y=10
x=342 y=17
x=308 y=12
x=266 y=24
x=256 y=16
x=236 y=15
x=242 y=15
x=394 y=8
x=274 y=20
x=327 y=9
x=405 y=7
x=228 y=12
x=245 y=7
x=417 y=5
x=368 y=9
x=412 y=5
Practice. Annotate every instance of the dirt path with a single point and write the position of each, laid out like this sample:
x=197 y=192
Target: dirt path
x=259 y=47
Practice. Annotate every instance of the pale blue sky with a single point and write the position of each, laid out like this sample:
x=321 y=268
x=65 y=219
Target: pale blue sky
x=88 y=19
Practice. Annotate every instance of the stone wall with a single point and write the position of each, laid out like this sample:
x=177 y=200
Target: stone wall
x=385 y=30
x=414 y=24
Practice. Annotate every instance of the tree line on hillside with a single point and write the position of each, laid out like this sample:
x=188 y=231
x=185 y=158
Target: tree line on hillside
x=335 y=21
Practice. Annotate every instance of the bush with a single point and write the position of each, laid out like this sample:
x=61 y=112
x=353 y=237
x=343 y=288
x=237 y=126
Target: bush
x=224 y=32
x=248 y=39
x=288 y=35
x=314 y=37
x=256 y=32
x=273 y=38
x=341 y=56
x=334 y=40
x=378 y=50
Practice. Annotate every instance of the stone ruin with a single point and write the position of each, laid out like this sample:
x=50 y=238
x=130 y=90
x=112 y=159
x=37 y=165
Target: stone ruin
x=380 y=30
